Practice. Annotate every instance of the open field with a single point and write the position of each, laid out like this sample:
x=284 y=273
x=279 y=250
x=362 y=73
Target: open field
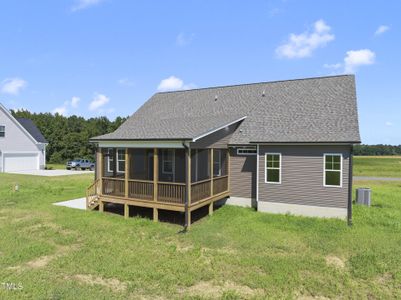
x=379 y=166
x=60 y=253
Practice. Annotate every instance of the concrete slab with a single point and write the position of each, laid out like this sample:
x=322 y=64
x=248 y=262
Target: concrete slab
x=51 y=172
x=76 y=203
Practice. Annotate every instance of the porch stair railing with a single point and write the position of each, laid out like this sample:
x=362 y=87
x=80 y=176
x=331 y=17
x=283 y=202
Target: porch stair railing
x=92 y=195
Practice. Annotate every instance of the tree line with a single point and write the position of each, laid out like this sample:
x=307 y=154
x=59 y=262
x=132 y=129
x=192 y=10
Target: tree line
x=68 y=137
x=377 y=150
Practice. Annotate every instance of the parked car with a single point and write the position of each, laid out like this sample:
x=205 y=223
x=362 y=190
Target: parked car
x=81 y=164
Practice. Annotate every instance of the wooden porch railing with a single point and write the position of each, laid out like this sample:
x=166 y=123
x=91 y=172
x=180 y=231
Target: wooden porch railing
x=140 y=189
x=113 y=186
x=168 y=192
x=92 y=193
x=171 y=192
x=220 y=184
x=200 y=190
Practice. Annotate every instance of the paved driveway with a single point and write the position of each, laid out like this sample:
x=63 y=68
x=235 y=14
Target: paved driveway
x=52 y=172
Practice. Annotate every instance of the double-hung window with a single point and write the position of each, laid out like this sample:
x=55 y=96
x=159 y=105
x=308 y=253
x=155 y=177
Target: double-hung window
x=332 y=170
x=216 y=162
x=110 y=160
x=273 y=168
x=168 y=161
x=121 y=160
x=2 y=131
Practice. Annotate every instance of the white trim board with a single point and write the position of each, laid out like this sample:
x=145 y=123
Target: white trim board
x=217 y=129
x=302 y=210
x=140 y=144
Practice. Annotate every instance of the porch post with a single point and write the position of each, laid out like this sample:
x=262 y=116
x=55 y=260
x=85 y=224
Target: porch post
x=126 y=210
x=228 y=169
x=211 y=172
x=99 y=170
x=155 y=182
x=127 y=159
x=188 y=187
x=155 y=173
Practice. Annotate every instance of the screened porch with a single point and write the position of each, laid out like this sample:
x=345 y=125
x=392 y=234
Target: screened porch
x=160 y=175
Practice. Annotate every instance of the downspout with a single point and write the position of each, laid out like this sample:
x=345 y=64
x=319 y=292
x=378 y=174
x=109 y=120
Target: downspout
x=349 y=213
x=187 y=186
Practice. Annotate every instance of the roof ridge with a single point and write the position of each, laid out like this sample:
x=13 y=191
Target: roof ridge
x=255 y=83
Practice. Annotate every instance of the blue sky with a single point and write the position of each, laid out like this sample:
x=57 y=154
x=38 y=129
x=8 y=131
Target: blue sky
x=94 y=57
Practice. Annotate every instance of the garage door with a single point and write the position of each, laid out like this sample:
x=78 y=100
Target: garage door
x=20 y=161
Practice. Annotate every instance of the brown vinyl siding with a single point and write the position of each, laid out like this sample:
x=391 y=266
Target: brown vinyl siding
x=243 y=175
x=302 y=171
x=218 y=139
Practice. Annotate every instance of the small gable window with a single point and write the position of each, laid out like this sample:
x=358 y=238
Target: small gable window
x=2 y=131
x=333 y=169
x=249 y=150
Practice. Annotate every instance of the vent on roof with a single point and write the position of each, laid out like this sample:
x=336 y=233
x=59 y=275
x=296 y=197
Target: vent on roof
x=263 y=93
x=215 y=98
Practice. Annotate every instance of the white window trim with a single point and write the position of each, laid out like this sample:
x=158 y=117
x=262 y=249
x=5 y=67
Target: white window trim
x=219 y=169
x=118 y=160
x=172 y=161
x=341 y=170
x=4 y=126
x=273 y=153
x=108 y=159
x=240 y=149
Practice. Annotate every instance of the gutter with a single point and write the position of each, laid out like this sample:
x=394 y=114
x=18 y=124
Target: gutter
x=350 y=173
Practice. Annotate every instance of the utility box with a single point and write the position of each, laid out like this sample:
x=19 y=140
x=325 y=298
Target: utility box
x=363 y=196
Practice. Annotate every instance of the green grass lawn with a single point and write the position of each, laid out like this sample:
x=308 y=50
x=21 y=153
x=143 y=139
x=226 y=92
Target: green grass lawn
x=379 y=166
x=60 y=253
x=55 y=166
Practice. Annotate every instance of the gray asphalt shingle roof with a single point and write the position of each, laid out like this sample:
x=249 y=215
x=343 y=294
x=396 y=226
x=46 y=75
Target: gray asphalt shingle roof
x=319 y=109
x=32 y=129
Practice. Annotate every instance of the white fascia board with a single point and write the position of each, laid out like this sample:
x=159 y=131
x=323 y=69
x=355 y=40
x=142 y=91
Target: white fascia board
x=140 y=144
x=217 y=129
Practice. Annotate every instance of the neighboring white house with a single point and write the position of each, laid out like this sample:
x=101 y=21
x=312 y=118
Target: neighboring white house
x=22 y=145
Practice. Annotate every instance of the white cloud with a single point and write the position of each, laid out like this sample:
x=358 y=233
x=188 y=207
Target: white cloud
x=83 y=4
x=357 y=58
x=63 y=109
x=183 y=39
x=125 y=82
x=302 y=45
x=98 y=101
x=382 y=29
x=74 y=101
x=13 y=86
x=388 y=123
x=173 y=83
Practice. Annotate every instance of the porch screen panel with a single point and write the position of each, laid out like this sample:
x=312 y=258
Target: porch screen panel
x=109 y=162
x=141 y=167
x=180 y=165
x=203 y=164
